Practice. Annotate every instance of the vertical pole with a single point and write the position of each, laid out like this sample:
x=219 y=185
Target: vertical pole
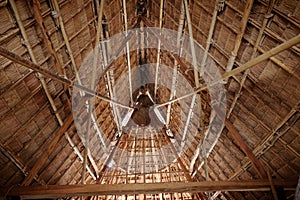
x=158 y=50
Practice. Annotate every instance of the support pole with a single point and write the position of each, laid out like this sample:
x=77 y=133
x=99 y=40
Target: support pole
x=17 y=162
x=286 y=45
x=39 y=19
x=65 y=36
x=240 y=34
x=209 y=38
x=174 y=78
x=127 y=51
x=34 y=171
x=92 y=87
x=194 y=58
x=257 y=43
x=194 y=61
x=158 y=50
x=26 y=63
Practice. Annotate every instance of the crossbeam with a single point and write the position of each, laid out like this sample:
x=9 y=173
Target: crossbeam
x=55 y=191
x=27 y=63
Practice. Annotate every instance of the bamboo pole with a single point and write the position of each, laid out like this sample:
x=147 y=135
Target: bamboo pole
x=239 y=36
x=203 y=63
x=209 y=37
x=190 y=113
x=127 y=51
x=35 y=62
x=18 y=163
x=194 y=57
x=65 y=36
x=194 y=62
x=174 y=78
x=30 y=51
x=158 y=50
x=29 y=178
x=286 y=45
x=92 y=86
x=39 y=18
x=110 y=80
x=257 y=43
x=26 y=63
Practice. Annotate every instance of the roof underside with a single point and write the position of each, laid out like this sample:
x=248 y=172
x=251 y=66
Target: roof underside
x=41 y=142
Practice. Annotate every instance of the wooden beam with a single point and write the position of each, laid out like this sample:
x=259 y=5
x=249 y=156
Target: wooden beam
x=275 y=196
x=52 y=143
x=246 y=149
x=39 y=18
x=56 y=191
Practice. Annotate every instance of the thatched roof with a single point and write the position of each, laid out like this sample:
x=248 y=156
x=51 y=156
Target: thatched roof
x=234 y=136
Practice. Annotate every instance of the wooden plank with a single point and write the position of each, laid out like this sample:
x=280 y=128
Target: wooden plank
x=237 y=137
x=56 y=191
x=52 y=143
